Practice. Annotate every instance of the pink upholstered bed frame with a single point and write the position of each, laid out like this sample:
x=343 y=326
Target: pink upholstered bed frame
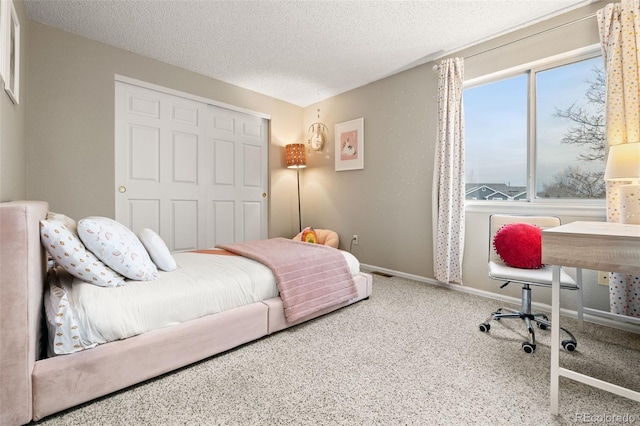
x=32 y=388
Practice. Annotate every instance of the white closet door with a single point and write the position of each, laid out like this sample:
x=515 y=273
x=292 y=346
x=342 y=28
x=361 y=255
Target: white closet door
x=166 y=168
x=237 y=150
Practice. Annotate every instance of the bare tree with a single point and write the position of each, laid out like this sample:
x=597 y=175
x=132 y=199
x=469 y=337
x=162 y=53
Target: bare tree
x=589 y=132
x=574 y=182
x=590 y=126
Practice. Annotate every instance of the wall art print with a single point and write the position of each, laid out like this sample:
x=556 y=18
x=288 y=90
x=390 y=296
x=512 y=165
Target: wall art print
x=10 y=43
x=349 y=145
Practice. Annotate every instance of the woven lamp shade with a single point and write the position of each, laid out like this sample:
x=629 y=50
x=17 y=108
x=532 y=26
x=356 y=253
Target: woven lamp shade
x=295 y=156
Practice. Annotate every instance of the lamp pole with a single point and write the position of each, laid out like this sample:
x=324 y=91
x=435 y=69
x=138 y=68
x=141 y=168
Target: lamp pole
x=296 y=159
x=299 y=210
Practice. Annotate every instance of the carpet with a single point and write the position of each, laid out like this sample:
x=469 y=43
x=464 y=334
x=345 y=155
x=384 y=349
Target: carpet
x=411 y=354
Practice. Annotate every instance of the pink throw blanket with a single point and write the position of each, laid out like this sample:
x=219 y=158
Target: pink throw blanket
x=310 y=277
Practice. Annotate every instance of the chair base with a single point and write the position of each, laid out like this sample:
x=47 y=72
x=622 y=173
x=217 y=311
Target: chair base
x=540 y=319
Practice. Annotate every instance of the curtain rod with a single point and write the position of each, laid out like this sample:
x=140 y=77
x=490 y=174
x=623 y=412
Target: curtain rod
x=566 y=24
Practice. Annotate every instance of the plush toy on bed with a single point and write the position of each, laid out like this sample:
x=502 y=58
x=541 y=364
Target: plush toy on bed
x=318 y=236
x=309 y=235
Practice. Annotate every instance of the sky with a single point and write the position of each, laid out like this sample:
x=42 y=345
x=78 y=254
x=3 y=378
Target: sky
x=496 y=125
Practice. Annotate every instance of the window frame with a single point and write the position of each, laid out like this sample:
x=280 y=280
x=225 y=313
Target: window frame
x=530 y=69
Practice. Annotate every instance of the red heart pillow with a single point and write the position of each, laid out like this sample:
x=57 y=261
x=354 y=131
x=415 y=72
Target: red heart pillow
x=519 y=245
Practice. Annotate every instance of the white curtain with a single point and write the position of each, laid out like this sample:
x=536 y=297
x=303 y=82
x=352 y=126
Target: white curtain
x=619 y=25
x=448 y=179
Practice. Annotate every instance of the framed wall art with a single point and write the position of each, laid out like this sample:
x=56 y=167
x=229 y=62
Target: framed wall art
x=349 y=145
x=10 y=41
x=4 y=7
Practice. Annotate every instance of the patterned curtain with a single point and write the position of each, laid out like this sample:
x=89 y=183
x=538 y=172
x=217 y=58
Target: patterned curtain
x=619 y=25
x=448 y=179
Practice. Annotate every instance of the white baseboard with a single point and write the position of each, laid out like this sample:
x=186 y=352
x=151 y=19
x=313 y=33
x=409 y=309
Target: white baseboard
x=590 y=316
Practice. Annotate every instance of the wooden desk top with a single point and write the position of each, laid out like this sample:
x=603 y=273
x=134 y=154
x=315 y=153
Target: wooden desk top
x=601 y=246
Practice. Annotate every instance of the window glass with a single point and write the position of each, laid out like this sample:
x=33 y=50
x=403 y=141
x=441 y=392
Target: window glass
x=570 y=148
x=496 y=140
x=566 y=137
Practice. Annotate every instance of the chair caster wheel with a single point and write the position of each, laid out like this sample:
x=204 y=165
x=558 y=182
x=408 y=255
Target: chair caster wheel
x=569 y=345
x=542 y=326
x=485 y=326
x=528 y=347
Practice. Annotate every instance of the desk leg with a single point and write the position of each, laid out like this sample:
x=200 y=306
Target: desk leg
x=555 y=338
x=580 y=299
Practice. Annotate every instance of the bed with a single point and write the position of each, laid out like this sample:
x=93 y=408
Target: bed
x=35 y=385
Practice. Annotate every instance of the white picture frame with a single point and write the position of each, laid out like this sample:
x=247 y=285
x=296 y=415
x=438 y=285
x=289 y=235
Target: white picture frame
x=349 y=145
x=10 y=39
x=4 y=12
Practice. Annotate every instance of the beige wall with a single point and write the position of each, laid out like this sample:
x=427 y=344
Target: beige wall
x=71 y=122
x=13 y=161
x=388 y=204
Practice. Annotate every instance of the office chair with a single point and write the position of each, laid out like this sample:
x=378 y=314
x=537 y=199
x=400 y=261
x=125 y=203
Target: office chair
x=499 y=270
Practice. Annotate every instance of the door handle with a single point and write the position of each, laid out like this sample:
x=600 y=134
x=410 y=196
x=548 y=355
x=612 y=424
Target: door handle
x=122 y=189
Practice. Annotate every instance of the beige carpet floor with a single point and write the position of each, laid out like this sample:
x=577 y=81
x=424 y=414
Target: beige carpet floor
x=411 y=354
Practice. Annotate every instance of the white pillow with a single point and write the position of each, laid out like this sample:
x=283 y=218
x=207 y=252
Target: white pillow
x=157 y=249
x=59 y=238
x=118 y=247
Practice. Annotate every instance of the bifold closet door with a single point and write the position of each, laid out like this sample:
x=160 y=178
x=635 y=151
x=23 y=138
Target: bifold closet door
x=237 y=155
x=173 y=173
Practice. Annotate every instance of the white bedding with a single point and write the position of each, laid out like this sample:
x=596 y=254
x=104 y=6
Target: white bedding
x=81 y=315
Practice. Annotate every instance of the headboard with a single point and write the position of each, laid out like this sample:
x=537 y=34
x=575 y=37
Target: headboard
x=22 y=275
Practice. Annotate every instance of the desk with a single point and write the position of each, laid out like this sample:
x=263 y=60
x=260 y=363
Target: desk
x=600 y=246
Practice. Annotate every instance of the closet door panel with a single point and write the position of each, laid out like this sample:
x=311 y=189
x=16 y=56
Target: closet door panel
x=223 y=217
x=184 y=224
x=158 y=144
x=252 y=170
x=144 y=152
x=185 y=158
x=239 y=144
x=144 y=213
x=223 y=163
x=194 y=173
x=252 y=220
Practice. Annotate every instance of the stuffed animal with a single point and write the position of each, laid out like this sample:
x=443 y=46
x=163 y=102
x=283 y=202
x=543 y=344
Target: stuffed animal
x=309 y=235
x=323 y=236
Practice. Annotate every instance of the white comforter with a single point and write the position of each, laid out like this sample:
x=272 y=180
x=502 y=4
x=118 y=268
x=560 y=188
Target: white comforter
x=81 y=315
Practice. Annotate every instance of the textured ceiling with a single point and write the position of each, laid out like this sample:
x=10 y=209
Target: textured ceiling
x=297 y=51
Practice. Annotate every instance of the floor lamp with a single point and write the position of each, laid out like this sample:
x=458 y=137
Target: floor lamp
x=296 y=159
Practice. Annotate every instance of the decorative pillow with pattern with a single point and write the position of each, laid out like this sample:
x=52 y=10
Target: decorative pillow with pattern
x=65 y=336
x=58 y=236
x=66 y=221
x=118 y=247
x=157 y=249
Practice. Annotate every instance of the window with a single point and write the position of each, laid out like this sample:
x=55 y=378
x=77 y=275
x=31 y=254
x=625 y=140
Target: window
x=537 y=133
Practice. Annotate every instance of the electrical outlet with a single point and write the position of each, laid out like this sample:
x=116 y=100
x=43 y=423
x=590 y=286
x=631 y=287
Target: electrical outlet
x=603 y=278
x=354 y=239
